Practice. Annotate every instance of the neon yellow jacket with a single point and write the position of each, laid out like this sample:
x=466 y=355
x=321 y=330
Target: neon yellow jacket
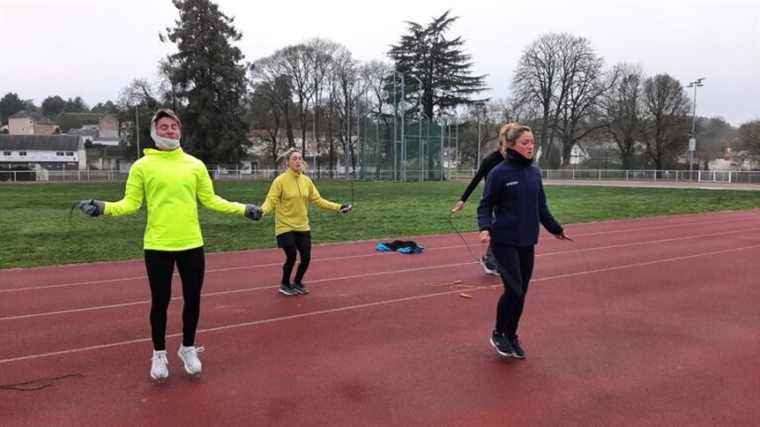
x=172 y=182
x=289 y=196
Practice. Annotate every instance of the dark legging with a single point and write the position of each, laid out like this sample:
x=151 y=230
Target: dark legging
x=160 y=264
x=294 y=242
x=516 y=268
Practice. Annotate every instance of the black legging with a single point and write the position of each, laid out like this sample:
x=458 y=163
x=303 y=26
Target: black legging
x=516 y=268
x=160 y=264
x=291 y=243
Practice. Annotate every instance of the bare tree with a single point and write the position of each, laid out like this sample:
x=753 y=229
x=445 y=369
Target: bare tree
x=267 y=115
x=296 y=63
x=266 y=75
x=666 y=105
x=714 y=134
x=560 y=78
x=583 y=84
x=748 y=138
x=374 y=77
x=480 y=131
x=346 y=74
x=322 y=52
x=139 y=91
x=622 y=111
x=535 y=85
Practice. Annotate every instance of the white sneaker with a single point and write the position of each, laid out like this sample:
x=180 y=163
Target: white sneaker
x=159 y=365
x=189 y=357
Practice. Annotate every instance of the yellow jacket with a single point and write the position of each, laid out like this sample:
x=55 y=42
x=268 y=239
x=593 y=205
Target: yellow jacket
x=172 y=182
x=289 y=197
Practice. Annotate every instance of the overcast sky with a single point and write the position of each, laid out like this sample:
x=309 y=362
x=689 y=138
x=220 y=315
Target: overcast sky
x=94 y=48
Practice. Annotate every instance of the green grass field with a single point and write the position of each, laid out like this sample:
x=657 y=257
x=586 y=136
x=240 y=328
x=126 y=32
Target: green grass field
x=36 y=229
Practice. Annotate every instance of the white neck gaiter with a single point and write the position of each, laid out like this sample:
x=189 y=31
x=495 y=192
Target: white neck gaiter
x=162 y=143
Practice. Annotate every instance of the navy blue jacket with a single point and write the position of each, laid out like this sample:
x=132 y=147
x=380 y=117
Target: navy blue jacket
x=514 y=203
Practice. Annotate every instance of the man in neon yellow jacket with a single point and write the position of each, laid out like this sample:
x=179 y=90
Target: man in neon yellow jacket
x=171 y=183
x=289 y=197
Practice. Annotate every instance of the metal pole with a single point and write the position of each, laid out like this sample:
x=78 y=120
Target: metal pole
x=137 y=128
x=359 y=141
x=694 y=127
x=477 y=159
x=420 y=152
x=421 y=149
x=456 y=141
x=442 y=155
x=693 y=140
x=314 y=130
x=403 y=135
x=395 y=130
x=348 y=134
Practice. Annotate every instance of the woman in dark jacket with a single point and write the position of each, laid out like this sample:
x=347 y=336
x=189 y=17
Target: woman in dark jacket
x=488 y=163
x=509 y=214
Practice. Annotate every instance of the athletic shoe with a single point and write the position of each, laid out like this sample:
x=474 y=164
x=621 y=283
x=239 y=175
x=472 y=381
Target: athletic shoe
x=488 y=268
x=288 y=290
x=159 y=365
x=189 y=357
x=518 y=350
x=300 y=288
x=501 y=344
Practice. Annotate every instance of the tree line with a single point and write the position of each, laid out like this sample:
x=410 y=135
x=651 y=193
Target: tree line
x=312 y=94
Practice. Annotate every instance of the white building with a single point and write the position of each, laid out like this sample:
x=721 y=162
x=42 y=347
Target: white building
x=52 y=152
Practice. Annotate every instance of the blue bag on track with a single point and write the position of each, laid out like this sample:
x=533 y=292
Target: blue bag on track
x=401 y=246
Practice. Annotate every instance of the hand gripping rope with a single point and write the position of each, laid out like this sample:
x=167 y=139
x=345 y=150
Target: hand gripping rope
x=513 y=287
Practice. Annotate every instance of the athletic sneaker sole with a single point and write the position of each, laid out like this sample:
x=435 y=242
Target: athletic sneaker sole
x=501 y=353
x=189 y=372
x=288 y=293
x=159 y=380
x=184 y=363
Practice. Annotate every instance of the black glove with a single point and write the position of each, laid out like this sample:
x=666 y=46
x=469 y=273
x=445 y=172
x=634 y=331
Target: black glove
x=345 y=209
x=92 y=207
x=253 y=212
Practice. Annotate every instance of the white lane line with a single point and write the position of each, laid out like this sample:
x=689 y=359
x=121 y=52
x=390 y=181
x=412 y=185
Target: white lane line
x=360 y=306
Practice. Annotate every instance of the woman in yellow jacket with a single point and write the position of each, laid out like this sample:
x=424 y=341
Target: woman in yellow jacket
x=171 y=183
x=289 y=197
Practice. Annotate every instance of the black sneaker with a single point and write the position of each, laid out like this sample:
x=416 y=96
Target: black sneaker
x=488 y=267
x=288 y=289
x=502 y=345
x=300 y=288
x=518 y=351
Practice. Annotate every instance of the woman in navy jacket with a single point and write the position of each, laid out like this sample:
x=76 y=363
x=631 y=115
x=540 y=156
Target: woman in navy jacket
x=509 y=214
x=491 y=161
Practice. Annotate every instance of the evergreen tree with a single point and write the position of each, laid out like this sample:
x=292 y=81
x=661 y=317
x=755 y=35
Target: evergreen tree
x=209 y=81
x=440 y=64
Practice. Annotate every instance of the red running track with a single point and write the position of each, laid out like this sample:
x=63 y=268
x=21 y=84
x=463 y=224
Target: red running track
x=641 y=322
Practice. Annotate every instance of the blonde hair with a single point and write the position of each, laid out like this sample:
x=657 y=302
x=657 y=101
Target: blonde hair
x=511 y=132
x=505 y=130
x=285 y=157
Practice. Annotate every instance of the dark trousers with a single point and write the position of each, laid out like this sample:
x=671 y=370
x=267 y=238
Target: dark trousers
x=160 y=264
x=291 y=243
x=515 y=268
